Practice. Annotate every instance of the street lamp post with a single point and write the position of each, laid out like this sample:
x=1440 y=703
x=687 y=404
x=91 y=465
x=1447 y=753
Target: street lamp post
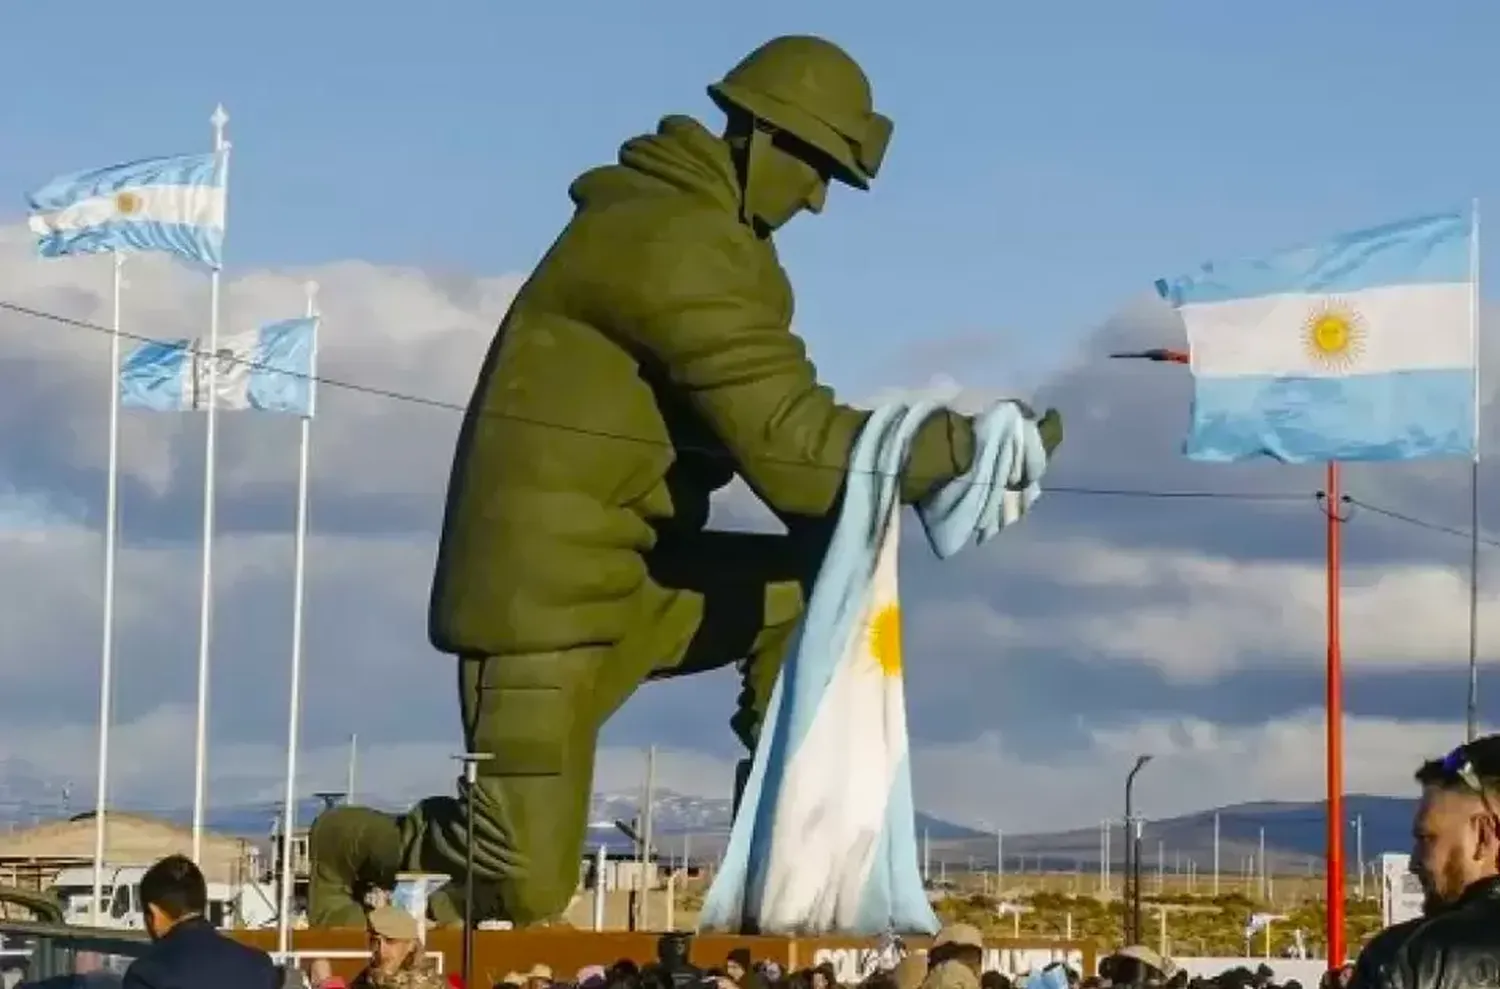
x=471 y=761
x=1133 y=853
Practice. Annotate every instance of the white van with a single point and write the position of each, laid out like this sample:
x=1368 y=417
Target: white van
x=249 y=905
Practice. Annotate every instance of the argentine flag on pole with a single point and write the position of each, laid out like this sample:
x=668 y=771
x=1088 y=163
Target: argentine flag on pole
x=171 y=204
x=269 y=369
x=1362 y=347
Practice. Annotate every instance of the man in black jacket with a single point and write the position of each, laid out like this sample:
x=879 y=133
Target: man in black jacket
x=672 y=952
x=1455 y=944
x=188 y=952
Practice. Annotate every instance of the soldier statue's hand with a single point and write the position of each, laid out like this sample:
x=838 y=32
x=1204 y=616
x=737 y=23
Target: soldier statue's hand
x=1049 y=425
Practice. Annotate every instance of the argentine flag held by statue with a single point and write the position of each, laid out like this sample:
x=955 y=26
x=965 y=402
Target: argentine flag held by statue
x=1361 y=347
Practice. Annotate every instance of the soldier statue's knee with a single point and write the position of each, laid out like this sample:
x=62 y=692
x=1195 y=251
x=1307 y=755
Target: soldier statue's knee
x=528 y=712
x=351 y=849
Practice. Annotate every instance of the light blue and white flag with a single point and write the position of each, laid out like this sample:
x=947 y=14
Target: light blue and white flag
x=269 y=369
x=171 y=204
x=1362 y=347
x=825 y=837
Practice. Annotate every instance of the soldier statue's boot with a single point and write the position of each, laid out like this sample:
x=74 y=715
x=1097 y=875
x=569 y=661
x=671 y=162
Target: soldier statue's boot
x=352 y=850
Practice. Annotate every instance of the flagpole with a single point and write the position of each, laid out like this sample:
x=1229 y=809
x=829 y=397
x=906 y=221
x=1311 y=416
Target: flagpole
x=299 y=584
x=1335 y=743
x=107 y=648
x=1473 y=705
x=210 y=443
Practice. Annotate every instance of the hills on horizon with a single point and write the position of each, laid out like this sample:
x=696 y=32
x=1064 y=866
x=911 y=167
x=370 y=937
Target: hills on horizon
x=1294 y=833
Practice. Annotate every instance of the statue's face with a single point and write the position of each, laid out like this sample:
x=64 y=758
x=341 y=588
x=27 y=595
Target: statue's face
x=786 y=180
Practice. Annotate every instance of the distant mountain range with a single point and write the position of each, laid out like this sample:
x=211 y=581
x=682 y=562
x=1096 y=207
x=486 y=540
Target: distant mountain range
x=700 y=825
x=1295 y=834
x=1293 y=831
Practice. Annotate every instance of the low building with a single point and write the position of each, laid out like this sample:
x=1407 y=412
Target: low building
x=270 y=855
x=31 y=857
x=623 y=868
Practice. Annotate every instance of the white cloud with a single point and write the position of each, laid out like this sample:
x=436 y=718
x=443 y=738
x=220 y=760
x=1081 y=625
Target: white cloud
x=152 y=765
x=1196 y=617
x=391 y=331
x=1181 y=599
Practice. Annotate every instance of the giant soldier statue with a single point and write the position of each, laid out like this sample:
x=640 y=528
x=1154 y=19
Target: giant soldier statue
x=647 y=362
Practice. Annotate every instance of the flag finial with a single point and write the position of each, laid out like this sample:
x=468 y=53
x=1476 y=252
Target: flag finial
x=219 y=119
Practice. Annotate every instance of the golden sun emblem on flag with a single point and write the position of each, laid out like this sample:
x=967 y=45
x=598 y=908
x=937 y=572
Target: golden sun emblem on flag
x=1334 y=335
x=885 y=639
x=127 y=203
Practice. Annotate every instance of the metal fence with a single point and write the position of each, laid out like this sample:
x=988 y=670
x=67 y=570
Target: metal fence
x=31 y=952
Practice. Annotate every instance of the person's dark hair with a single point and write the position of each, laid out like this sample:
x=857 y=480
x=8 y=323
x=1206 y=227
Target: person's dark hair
x=994 y=980
x=1123 y=970
x=176 y=887
x=880 y=980
x=740 y=956
x=1482 y=754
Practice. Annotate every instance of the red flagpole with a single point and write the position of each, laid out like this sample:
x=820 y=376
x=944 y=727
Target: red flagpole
x=1335 y=744
x=1334 y=865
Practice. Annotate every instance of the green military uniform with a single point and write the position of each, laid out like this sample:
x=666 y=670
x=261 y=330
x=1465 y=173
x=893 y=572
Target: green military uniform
x=648 y=360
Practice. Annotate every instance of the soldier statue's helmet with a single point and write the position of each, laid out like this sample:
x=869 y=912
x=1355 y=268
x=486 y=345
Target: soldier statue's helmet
x=816 y=92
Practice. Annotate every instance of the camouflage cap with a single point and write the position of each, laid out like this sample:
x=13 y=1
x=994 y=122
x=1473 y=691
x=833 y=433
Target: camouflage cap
x=393 y=923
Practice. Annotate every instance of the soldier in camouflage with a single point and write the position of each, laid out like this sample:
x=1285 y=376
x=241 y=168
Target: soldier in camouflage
x=396 y=957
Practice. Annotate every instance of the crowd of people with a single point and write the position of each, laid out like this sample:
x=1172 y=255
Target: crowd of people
x=1455 y=944
x=953 y=962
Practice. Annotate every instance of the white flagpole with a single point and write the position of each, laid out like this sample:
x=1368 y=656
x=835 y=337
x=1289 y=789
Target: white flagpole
x=107 y=649
x=1474 y=329
x=294 y=703
x=353 y=760
x=210 y=443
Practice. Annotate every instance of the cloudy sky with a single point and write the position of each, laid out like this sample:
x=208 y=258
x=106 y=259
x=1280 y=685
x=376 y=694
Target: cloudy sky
x=1047 y=167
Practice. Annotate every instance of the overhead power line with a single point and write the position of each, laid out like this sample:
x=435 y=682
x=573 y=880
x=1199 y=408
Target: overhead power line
x=425 y=401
